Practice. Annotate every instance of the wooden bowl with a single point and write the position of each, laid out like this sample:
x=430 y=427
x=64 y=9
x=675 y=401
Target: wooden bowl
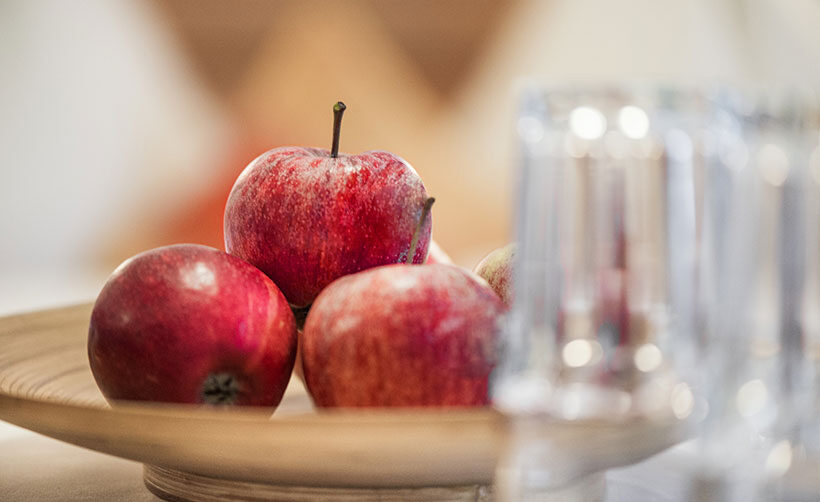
x=194 y=453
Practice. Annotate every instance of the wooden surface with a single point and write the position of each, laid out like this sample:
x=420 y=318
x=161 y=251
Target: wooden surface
x=46 y=386
x=35 y=468
x=172 y=485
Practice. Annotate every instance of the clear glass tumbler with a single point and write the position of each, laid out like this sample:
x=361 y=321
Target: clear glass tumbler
x=602 y=333
x=786 y=167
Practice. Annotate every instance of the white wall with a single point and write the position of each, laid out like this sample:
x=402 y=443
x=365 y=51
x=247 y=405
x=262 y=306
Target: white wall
x=101 y=126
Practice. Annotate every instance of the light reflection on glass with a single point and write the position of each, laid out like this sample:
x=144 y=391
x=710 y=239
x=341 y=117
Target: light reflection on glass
x=779 y=459
x=683 y=401
x=587 y=122
x=773 y=164
x=648 y=357
x=751 y=398
x=577 y=353
x=633 y=122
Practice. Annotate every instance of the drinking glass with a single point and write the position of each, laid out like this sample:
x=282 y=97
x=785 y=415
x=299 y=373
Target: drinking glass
x=602 y=329
x=798 y=445
x=757 y=304
x=791 y=123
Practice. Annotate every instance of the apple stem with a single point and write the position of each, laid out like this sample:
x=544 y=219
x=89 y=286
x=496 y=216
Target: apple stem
x=220 y=389
x=338 y=110
x=428 y=204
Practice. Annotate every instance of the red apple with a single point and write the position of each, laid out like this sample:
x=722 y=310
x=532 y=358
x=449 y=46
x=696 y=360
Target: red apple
x=307 y=216
x=402 y=335
x=497 y=269
x=437 y=255
x=191 y=324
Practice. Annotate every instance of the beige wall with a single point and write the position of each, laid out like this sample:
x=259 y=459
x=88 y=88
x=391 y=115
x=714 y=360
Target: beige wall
x=124 y=122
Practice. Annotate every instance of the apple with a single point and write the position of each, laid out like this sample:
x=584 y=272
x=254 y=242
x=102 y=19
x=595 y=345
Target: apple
x=191 y=324
x=497 y=269
x=437 y=255
x=402 y=335
x=307 y=216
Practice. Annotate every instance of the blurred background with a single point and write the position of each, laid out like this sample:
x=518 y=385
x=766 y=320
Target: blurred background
x=123 y=124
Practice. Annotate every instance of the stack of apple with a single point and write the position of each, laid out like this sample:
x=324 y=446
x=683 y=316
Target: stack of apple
x=342 y=238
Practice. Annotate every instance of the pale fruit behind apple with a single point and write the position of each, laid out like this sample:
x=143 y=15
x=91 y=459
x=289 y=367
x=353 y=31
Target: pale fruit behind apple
x=497 y=269
x=402 y=335
x=307 y=216
x=191 y=324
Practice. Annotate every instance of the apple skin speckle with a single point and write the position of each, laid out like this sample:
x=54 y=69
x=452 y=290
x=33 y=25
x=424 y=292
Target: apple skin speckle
x=372 y=341
x=170 y=317
x=306 y=219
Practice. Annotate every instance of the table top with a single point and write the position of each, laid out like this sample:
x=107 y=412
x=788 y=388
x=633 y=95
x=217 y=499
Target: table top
x=34 y=468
